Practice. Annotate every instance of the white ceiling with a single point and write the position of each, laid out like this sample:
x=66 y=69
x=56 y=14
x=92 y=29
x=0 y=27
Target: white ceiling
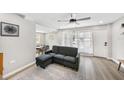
x=48 y=21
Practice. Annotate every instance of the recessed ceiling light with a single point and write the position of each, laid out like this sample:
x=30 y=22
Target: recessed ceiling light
x=101 y=22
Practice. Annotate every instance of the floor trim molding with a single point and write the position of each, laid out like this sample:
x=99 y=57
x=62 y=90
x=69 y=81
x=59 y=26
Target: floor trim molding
x=17 y=71
x=116 y=61
x=111 y=59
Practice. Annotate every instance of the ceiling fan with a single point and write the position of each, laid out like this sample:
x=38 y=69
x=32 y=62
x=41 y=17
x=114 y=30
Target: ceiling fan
x=73 y=19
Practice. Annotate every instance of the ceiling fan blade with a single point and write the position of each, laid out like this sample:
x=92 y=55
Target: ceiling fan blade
x=81 y=19
x=62 y=20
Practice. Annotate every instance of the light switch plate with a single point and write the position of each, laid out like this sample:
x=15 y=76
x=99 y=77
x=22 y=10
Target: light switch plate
x=12 y=61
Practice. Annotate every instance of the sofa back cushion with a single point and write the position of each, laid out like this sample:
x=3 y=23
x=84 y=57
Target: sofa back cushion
x=55 y=49
x=67 y=51
x=70 y=51
x=62 y=50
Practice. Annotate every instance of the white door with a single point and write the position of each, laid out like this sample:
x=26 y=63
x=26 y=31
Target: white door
x=99 y=39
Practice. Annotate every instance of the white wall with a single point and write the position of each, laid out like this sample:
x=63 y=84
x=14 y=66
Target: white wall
x=117 y=40
x=18 y=51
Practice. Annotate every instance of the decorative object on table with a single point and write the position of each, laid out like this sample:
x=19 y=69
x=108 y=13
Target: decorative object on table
x=8 y=29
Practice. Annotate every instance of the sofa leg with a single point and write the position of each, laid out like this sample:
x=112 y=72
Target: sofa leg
x=43 y=67
x=76 y=69
x=37 y=65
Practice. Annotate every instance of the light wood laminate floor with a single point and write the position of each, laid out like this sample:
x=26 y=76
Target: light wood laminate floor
x=91 y=68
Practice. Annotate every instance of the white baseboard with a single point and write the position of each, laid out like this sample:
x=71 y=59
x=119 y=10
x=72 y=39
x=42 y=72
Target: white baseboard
x=18 y=70
x=116 y=61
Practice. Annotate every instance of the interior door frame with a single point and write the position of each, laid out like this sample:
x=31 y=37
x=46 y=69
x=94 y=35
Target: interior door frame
x=1 y=63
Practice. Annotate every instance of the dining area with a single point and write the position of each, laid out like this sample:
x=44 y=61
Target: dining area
x=41 y=49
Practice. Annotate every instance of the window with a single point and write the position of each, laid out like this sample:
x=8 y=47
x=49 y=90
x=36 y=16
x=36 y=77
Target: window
x=82 y=40
x=85 y=42
x=38 y=39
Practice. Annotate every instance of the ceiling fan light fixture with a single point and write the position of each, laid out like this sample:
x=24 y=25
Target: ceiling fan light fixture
x=72 y=20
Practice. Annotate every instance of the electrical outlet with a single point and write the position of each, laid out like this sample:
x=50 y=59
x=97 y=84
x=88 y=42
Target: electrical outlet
x=12 y=61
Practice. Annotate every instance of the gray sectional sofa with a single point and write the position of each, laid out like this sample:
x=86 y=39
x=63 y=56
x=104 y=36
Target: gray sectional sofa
x=67 y=56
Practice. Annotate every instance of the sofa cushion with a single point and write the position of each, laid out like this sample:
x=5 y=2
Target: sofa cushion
x=67 y=51
x=62 y=50
x=44 y=57
x=59 y=56
x=70 y=51
x=52 y=54
x=69 y=59
x=55 y=49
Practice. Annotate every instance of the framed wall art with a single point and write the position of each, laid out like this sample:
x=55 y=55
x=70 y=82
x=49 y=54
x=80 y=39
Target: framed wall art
x=8 y=29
